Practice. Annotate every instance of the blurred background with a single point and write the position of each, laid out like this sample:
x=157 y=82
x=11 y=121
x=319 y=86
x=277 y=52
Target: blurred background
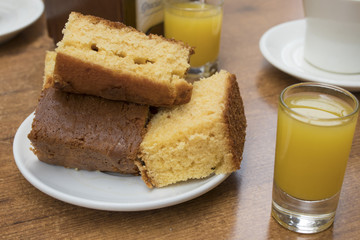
x=145 y=15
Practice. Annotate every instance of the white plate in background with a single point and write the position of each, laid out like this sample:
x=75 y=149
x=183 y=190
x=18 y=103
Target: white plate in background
x=16 y=15
x=283 y=47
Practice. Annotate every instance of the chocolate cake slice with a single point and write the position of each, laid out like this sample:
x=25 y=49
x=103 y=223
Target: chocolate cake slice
x=87 y=132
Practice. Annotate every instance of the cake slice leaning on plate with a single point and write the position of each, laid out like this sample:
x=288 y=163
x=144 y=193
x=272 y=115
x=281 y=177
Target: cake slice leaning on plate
x=197 y=139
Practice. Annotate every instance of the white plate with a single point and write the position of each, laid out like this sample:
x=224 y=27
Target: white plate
x=15 y=15
x=99 y=190
x=283 y=47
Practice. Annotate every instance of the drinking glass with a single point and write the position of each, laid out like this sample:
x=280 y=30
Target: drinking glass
x=315 y=129
x=197 y=23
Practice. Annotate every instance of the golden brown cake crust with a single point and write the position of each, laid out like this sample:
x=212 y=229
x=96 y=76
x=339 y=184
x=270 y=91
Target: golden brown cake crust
x=235 y=119
x=144 y=176
x=76 y=76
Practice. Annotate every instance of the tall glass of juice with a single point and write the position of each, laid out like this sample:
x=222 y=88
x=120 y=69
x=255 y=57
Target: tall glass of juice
x=315 y=129
x=197 y=23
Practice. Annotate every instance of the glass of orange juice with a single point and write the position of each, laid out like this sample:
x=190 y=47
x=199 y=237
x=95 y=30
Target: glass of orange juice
x=197 y=23
x=315 y=129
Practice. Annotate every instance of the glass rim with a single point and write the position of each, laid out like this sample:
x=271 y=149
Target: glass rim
x=168 y=3
x=320 y=85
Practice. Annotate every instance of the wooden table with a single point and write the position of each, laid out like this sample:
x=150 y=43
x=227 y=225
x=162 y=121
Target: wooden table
x=239 y=208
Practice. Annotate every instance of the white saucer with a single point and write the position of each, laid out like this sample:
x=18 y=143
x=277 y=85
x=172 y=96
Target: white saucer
x=283 y=47
x=16 y=15
x=97 y=190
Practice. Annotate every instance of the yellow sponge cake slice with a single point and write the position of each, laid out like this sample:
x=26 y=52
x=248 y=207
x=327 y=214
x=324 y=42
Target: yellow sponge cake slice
x=113 y=61
x=197 y=139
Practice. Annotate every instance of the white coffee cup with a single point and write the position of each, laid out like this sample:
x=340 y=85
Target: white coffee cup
x=332 y=39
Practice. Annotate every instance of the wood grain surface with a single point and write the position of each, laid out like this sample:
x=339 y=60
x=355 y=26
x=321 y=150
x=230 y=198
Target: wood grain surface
x=239 y=208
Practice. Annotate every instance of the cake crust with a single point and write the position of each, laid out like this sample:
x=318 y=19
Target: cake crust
x=76 y=76
x=235 y=120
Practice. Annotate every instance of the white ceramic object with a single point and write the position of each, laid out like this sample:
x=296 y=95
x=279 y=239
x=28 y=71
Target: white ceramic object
x=98 y=190
x=332 y=37
x=16 y=15
x=283 y=47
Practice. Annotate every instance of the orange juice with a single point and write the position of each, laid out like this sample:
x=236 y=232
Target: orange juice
x=198 y=25
x=313 y=144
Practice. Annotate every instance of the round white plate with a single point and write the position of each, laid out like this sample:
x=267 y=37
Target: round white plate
x=15 y=15
x=99 y=190
x=283 y=47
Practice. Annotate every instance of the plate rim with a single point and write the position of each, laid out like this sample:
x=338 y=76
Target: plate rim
x=278 y=63
x=102 y=205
